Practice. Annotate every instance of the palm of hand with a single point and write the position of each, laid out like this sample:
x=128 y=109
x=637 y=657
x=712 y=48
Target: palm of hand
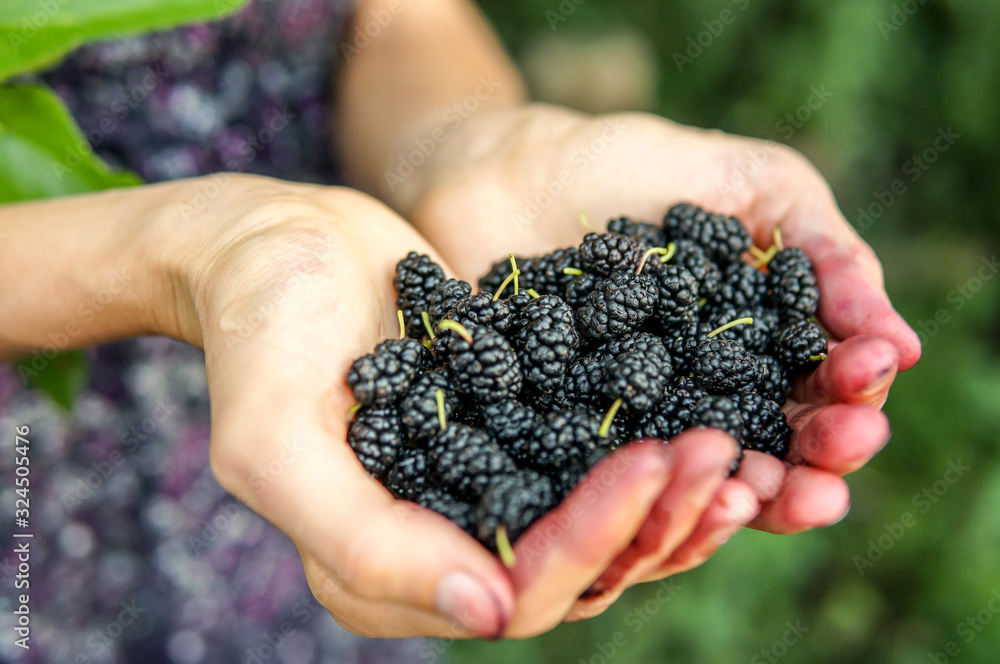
x=516 y=181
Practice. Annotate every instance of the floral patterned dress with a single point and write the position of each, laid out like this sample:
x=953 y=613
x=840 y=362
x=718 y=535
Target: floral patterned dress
x=138 y=554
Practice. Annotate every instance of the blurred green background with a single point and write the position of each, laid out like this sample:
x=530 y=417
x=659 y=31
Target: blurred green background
x=897 y=74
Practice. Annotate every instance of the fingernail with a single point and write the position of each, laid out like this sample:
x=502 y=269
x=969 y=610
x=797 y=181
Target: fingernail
x=880 y=382
x=464 y=600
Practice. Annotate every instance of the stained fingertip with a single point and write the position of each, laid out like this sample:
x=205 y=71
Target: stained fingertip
x=854 y=301
x=858 y=370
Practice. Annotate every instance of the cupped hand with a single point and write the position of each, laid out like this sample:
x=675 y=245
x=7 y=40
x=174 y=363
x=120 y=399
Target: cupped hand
x=284 y=286
x=287 y=285
x=515 y=180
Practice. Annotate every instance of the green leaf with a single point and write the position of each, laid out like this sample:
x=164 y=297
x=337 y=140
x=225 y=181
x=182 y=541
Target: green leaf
x=42 y=152
x=61 y=377
x=36 y=33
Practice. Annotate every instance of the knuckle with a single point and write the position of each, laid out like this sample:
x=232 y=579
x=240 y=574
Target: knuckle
x=365 y=568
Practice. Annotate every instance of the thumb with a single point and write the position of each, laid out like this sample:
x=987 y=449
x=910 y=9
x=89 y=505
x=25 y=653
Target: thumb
x=296 y=469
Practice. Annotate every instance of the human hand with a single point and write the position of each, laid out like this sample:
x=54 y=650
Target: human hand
x=284 y=286
x=515 y=180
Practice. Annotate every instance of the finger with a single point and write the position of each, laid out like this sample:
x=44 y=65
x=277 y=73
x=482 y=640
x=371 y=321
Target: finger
x=564 y=552
x=854 y=303
x=811 y=498
x=763 y=473
x=702 y=458
x=858 y=370
x=735 y=505
x=732 y=507
x=840 y=438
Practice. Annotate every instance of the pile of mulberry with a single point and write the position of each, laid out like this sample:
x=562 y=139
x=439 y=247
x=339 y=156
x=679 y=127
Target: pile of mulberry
x=494 y=405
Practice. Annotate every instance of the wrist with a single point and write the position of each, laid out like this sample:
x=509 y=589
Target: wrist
x=200 y=239
x=75 y=271
x=408 y=66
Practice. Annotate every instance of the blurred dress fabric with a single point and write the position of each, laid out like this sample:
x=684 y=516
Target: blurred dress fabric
x=138 y=554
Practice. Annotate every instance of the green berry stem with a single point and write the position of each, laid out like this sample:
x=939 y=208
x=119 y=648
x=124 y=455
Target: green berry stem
x=514 y=271
x=533 y=293
x=764 y=257
x=442 y=420
x=586 y=224
x=402 y=323
x=510 y=277
x=575 y=271
x=645 y=256
x=777 y=238
x=817 y=358
x=426 y=318
x=739 y=321
x=456 y=327
x=671 y=250
x=355 y=408
x=606 y=424
x=504 y=548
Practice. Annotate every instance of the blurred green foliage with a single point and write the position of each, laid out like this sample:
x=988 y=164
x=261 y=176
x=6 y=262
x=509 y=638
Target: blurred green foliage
x=899 y=72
